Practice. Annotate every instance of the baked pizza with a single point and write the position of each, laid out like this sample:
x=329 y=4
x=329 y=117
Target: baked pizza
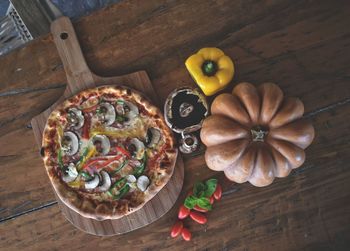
x=107 y=151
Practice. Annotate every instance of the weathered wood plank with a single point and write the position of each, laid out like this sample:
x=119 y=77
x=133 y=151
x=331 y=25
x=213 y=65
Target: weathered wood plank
x=306 y=211
x=22 y=186
x=238 y=29
x=303 y=61
x=17 y=111
x=308 y=76
x=329 y=127
x=303 y=46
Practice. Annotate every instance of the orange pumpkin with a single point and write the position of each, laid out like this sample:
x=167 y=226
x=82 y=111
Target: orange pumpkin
x=255 y=135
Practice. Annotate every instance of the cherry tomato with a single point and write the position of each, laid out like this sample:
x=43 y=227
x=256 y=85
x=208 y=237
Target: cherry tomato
x=198 y=217
x=211 y=199
x=186 y=234
x=176 y=229
x=199 y=209
x=218 y=192
x=183 y=212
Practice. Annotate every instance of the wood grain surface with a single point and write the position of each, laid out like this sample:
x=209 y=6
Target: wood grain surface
x=304 y=46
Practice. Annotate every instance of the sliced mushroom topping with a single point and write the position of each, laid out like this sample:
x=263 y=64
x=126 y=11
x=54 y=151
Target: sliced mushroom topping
x=153 y=137
x=143 y=183
x=131 y=111
x=102 y=144
x=75 y=118
x=93 y=183
x=126 y=113
x=130 y=108
x=130 y=178
x=71 y=173
x=136 y=148
x=129 y=118
x=105 y=182
x=70 y=143
x=106 y=113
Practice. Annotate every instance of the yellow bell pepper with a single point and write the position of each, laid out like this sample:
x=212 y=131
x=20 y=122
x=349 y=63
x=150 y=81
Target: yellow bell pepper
x=211 y=69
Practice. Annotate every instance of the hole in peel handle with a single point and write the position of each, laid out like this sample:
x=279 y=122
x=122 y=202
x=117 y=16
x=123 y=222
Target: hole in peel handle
x=64 y=35
x=79 y=76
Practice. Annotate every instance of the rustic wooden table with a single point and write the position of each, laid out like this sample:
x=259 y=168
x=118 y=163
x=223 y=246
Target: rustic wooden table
x=304 y=46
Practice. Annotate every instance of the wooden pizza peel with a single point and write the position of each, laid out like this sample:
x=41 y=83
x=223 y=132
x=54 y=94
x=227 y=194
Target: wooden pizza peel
x=79 y=77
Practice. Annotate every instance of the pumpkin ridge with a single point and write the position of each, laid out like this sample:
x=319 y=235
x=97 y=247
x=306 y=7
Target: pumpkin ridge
x=263 y=173
x=299 y=132
x=231 y=107
x=218 y=129
x=252 y=144
x=234 y=166
x=245 y=109
x=247 y=93
x=271 y=99
x=218 y=157
x=277 y=138
x=278 y=166
x=290 y=106
x=288 y=147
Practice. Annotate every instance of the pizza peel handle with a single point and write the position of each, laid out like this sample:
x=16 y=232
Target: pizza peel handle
x=79 y=76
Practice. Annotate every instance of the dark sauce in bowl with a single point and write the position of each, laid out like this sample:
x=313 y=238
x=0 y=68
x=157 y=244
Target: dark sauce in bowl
x=194 y=117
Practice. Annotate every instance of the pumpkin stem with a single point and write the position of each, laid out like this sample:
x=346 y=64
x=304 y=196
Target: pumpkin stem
x=259 y=133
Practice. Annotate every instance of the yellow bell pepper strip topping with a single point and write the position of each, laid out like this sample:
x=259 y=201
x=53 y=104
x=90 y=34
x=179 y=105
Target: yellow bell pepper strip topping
x=211 y=69
x=75 y=184
x=86 y=155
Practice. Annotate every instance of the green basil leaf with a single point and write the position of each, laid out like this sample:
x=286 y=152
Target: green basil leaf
x=204 y=203
x=210 y=187
x=198 y=189
x=190 y=202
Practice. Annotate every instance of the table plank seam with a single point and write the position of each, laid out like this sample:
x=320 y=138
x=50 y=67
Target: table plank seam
x=29 y=90
x=49 y=204
x=327 y=108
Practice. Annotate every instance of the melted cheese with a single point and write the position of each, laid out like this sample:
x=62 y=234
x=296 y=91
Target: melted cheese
x=135 y=130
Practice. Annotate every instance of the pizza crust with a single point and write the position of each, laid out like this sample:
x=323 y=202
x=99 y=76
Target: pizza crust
x=107 y=209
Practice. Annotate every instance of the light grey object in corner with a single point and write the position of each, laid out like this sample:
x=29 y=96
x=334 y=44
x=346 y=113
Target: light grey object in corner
x=24 y=21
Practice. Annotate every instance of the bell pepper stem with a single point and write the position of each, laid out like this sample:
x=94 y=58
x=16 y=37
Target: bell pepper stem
x=209 y=68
